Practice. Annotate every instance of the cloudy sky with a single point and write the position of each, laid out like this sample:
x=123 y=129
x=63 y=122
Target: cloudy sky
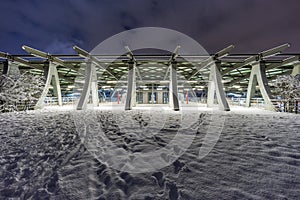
x=56 y=25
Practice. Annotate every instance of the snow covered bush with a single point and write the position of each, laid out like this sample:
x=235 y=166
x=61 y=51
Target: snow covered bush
x=19 y=92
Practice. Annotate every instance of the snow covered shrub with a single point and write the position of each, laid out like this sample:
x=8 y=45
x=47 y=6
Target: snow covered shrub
x=19 y=92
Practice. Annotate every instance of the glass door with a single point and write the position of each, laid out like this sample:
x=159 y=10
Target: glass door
x=139 y=97
x=165 y=97
x=152 y=97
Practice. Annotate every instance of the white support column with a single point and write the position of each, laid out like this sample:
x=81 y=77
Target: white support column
x=215 y=87
x=173 y=88
x=90 y=85
x=258 y=75
x=10 y=68
x=131 y=87
x=296 y=70
x=51 y=75
x=94 y=87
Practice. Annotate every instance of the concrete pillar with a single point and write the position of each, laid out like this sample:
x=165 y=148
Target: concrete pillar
x=296 y=70
x=152 y=94
x=90 y=85
x=51 y=76
x=10 y=68
x=94 y=88
x=215 y=87
x=131 y=87
x=159 y=97
x=173 y=89
x=258 y=75
x=145 y=97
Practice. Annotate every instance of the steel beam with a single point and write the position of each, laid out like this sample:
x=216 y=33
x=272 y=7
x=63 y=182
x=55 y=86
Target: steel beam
x=18 y=60
x=211 y=59
x=264 y=54
x=42 y=54
x=247 y=61
x=286 y=61
x=85 y=54
x=274 y=51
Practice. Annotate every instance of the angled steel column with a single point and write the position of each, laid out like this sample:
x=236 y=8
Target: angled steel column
x=173 y=88
x=131 y=87
x=215 y=87
x=90 y=85
x=296 y=70
x=51 y=75
x=258 y=75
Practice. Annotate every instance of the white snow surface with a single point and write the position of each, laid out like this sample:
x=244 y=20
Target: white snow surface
x=257 y=156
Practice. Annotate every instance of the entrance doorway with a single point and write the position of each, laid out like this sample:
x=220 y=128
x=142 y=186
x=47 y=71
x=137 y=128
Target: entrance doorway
x=139 y=97
x=165 y=97
x=152 y=97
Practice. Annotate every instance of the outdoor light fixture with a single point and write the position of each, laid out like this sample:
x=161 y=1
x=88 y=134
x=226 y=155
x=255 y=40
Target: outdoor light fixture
x=191 y=81
x=199 y=86
x=164 y=81
x=106 y=86
x=111 y=81
x=236 y=86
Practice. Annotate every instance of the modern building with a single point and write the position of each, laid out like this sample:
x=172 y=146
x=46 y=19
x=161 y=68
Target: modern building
x=165 y=78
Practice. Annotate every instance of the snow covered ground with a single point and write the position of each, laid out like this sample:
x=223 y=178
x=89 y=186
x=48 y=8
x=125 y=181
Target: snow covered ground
x=43 y=155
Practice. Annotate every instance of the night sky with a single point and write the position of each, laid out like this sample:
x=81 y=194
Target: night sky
x=56 y=25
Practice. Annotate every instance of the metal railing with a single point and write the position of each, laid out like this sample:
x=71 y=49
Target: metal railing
x=284 y=105
x=17 y=106
x=52 y=101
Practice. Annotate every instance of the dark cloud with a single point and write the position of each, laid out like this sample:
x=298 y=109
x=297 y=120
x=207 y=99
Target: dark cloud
x=55 y=26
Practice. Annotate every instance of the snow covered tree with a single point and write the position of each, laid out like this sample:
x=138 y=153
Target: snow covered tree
x=19 y=92
x=288 y=88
